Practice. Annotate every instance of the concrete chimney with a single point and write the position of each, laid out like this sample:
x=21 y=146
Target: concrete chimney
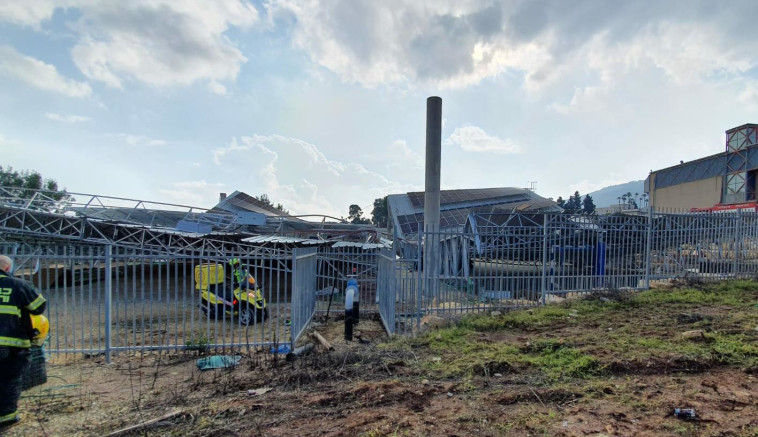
x=433 y=164
x=431 y=264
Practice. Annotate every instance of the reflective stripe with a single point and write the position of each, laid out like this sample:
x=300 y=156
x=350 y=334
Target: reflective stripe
x=15 y=342
x=35 y=303
x=10 y=309
x=9 y=417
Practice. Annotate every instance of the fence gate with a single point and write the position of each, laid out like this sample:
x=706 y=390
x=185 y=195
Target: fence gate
x=304 y=261
x=385 y=288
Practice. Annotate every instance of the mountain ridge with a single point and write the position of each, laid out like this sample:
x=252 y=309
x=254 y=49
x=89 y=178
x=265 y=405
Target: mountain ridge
x=609 y=195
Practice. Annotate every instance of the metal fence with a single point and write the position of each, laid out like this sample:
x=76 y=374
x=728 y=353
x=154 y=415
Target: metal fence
x=515 y=260
x=104 y=299
x=341 y=261
x=114 y=298
x=304 y=262
x=385 y=288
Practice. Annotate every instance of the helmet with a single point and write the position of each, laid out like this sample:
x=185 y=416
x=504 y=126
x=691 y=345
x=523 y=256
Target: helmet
x=40 y=328
x=250 y=280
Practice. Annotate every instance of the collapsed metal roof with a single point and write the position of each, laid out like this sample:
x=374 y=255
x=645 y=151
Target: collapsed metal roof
x=406 y=211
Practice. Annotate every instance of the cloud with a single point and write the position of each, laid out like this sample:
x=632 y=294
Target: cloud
x=158 y=42
x=217 y=88
x=194 y=193
x=301 y=177
x=67 y=118
x=474 y=139
x=39 y=74
x=139 y=140
x=32 y=12
x=7 y=142
x=161 y=43
x=455 y=44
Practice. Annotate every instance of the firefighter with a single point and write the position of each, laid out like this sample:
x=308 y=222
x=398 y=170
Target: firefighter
x=19 y=300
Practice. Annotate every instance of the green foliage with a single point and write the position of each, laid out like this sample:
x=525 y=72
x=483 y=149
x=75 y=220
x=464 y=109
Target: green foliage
x=26 y=184
x=559 y=362
x=576 y=205
x=588 y=205
x=380 y=215
x=463 y=351
x=525 y=320
x=197 y=343
x=729 y=295
x=354 y=216
x=266 y=201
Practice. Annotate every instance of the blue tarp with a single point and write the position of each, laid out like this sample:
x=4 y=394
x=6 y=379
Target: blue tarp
x=218 y=362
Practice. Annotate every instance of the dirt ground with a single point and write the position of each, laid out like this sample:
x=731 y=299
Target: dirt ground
x=602 y=366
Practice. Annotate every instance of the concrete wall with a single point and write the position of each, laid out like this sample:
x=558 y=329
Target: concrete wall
x=703 y=193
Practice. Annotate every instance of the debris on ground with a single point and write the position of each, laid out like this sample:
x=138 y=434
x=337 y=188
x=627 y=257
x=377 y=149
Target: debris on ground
x=218 y=362
x=259 y=391
x=685 y=413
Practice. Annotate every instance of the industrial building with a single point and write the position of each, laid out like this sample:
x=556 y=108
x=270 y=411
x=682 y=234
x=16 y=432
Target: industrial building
x=406 y=211
x=722 y=181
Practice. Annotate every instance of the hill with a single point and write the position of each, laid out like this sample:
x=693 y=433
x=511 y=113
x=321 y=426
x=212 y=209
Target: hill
x=609 y=195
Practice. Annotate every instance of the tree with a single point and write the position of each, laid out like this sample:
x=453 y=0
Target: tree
x=588 y=205
x=354 y=216
x=263 y=198
x=30 y=183
x=577 y=200
x=573 y=204
x=561 y=202
x=380 y=213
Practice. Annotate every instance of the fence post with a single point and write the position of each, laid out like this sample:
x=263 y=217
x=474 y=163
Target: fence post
x=419 y=293
x=737 y=242
x=648 y=246
x=108 y=296
x=544 y=258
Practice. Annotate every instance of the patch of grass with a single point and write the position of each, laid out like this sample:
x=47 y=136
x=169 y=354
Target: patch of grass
x=522 y=319
x=465 y=351
x=461 y=357
x=735 y=293
x=197 y=343
x=462 y=354
x=559 y=362
x=734 y=349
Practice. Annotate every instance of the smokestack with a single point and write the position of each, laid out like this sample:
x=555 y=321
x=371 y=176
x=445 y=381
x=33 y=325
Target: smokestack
x=221 y=197
x=433 y=164
x=431 y=263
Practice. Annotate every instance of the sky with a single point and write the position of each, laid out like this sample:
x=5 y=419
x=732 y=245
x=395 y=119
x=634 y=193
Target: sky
x=322 y=104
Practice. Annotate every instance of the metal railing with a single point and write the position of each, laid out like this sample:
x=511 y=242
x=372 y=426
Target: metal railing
x=104 y=299
x=385 y=288
x=304 y=262
x=339 y=263
x=507 y=261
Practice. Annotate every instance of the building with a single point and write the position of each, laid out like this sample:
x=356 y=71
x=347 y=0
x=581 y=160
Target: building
x=406 y=211
x=722 y=181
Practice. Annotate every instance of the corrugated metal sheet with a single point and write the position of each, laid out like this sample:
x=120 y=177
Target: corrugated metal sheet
x=407 y=214
x=278 y=239
x=364 y=246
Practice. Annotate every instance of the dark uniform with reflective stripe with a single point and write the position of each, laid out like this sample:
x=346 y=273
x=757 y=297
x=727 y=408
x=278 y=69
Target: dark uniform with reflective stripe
x=18 y=299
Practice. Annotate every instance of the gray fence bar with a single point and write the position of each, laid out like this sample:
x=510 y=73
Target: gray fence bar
x=104 y=299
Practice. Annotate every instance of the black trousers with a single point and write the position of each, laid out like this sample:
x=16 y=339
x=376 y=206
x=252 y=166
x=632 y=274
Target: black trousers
x=13 y=363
